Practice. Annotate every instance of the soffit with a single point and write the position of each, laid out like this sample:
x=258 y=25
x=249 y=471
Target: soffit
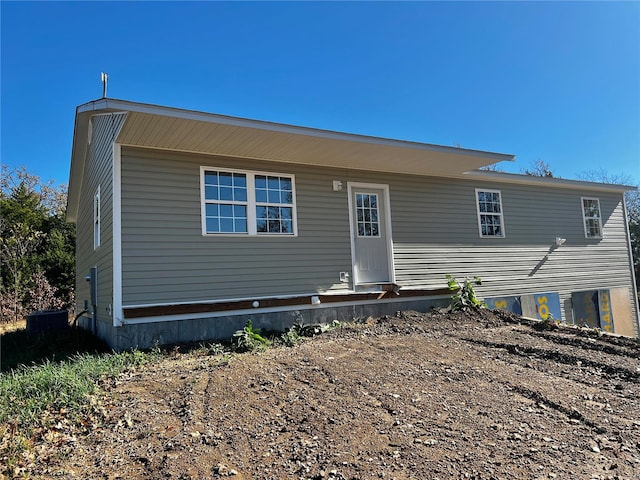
x=299 y=145
x=158 y=127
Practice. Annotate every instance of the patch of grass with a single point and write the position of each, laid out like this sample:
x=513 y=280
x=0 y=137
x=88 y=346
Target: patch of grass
x=28 y=391
x=33 y=398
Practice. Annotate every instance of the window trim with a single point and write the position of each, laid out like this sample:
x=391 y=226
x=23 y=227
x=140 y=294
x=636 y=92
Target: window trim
x=479 y=213
x=584 y=218
x=252 y=224
x=97 y=213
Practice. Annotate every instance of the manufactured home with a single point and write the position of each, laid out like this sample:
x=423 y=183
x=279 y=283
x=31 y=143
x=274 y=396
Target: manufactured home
x=191 y=223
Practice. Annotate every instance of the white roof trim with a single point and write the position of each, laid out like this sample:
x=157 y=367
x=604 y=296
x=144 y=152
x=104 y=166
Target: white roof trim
x=520 y=179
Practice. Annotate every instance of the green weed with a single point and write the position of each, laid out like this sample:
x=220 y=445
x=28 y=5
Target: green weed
x=465 y=296
x=290 y=338
x=248 y=339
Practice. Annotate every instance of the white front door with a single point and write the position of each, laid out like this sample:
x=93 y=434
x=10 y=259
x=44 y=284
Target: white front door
x=370 y=234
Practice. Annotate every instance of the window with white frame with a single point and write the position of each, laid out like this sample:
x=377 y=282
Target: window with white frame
x=96 y=219
x=591 y=217
x=247 y=203
x=490 y=218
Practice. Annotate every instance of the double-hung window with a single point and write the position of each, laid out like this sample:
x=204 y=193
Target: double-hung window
x=274 y=204
x=490 y=218
x=591 y=217
x=247 y=203
x=225 y=202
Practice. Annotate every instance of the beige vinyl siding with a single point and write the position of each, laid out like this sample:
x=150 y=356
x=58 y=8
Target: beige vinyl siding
x=167 y=259
x=98 y=172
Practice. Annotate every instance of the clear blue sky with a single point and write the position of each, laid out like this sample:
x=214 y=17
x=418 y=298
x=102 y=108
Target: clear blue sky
x=558 y=82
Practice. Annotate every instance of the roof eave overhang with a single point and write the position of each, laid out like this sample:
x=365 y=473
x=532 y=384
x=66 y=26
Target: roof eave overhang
x=484 y=158
x=151 y=126
x=520 y=179
x=227 y=136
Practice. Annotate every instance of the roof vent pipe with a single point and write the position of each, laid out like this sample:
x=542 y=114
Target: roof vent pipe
x=104 y=78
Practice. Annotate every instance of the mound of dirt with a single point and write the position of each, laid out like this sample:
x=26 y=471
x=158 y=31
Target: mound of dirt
x=420 y=396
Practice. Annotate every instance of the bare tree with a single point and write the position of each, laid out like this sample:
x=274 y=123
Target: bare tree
x=631 y=197
x=494 y=167
x=42 y=295
x=539 y=168
x=17 y=244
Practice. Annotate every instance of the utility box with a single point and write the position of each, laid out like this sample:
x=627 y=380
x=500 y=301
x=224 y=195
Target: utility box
x=47 y=321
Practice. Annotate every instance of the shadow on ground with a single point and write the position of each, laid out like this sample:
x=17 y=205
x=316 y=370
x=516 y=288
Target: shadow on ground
x=20 y=347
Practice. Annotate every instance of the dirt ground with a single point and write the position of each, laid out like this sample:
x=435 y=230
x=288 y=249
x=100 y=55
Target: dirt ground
x=438 y=396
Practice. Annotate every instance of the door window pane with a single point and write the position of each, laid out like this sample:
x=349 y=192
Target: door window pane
x=367 y=214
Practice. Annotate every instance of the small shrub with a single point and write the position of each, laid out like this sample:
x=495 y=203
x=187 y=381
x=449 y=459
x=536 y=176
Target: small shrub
x=299 y=331
x=11 y=308
x=315 y=329
x=214 y=349
x=290 y=338
x=248 y=339
x=465 y=296
x=42 y=295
